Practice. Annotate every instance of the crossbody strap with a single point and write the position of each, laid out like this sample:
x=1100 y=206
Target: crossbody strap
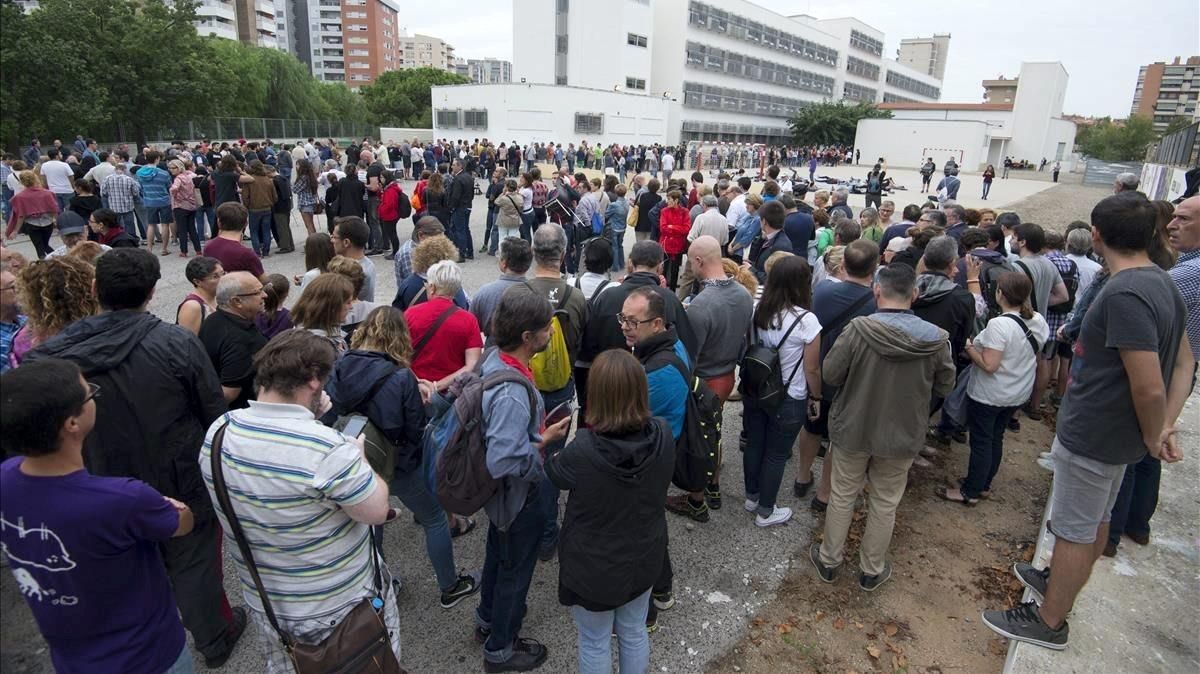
x=779 y=347
x=1024 y=328
x=847 y=313
x=450 y=311
x=1033 y=292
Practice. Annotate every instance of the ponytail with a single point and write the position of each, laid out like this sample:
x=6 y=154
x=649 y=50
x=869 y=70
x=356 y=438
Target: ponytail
x=1026 y=310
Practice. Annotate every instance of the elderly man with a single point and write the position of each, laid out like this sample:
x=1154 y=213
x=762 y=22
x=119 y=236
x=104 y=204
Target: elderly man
x=956 y=220
x=1125 y=182
x=515 y=259
x=839 y=198
x=231 y=338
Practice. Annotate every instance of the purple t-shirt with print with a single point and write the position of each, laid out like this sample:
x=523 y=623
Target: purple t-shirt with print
x=84 y=552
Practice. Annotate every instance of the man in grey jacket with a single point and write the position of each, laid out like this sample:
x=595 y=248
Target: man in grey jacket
x=520 y=329
x=891 y=361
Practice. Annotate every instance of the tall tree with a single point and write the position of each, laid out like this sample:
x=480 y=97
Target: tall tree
x=403 y=97
x=832 y=123
x=1118 y=142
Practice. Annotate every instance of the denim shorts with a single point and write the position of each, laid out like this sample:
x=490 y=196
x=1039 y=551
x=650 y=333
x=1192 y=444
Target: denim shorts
x=1083 y=494
x=156 y=215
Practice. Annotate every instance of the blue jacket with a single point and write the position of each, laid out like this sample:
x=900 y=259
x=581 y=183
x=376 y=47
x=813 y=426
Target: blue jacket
x=513 y=432
x=396 y=409
x=616 y=214
x=748 y=227
x=668 y=388
x=156 y=184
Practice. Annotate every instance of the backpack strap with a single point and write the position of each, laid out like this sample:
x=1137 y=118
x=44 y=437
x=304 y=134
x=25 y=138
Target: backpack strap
x=599 y=289
x=847 y=313
x=1028 y=335
x=509 y=375
x=1032 y=295
x=450 y=311
x=788 y=383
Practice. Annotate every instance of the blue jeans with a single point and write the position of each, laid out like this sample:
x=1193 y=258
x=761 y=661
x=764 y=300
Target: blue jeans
x=491 y=235
x=618 y=242
x=595 y=637
x=206 y=221
x=460 y=232
x=260 y=231
x=527 y=225
x=1137 y=500
x=987 y=187
x=548 y=494
x=986 y=424
x=64 y=200
x=184 y=664
x=770 y=436
x=139 y=213
x=413 y=492
x=511 y=557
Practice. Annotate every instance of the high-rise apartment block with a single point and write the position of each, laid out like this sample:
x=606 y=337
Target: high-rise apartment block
x=485 y=70
x=925 y=54
x=425 y=51
x=1167 y=91
x=350 y=41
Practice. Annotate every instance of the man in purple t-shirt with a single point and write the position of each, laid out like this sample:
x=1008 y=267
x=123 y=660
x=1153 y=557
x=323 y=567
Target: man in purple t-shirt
x=84 y=549
x=227 y=246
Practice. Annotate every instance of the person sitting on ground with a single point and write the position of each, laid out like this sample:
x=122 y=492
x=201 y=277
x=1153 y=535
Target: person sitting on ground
x=231 y=338
x=617 y=470
x=110 y=527
x=53 y=293
x=275 y=317
x=204 y=273
x=323 y=307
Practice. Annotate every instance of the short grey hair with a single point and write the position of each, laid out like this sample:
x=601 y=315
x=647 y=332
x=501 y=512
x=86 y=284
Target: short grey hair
x=1079 y=242
x=709 y=201
x=941 y=252
x=1127 y=181
x=446 y=277
x=549 y=245
x=229 y=287
x=840 y=195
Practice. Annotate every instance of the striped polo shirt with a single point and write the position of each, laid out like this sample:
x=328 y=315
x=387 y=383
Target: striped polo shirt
x=288 y=477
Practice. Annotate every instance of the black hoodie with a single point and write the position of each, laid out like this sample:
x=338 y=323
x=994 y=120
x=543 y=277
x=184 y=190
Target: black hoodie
x=614 y=532
x=158 y=396
x=602 y=331
x=395 y=408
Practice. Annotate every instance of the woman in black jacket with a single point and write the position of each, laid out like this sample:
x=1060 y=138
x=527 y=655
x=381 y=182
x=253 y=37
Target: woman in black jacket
x=437 y=203
x=351 y=192
x=373 y=379
x=614 y=534
x=648 y=200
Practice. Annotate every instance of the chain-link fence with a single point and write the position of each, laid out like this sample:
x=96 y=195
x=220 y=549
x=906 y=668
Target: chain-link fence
x=259 y=128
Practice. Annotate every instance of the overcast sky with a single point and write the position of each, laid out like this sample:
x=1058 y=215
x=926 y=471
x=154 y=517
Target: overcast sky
x=1101 y=46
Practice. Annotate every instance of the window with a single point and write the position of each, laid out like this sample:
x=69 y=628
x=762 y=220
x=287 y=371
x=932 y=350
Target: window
x=358 y=40
x=635 y=83
x=359 y=64
x=356 y=15
x=589 y=123
x=715 y=20
x=862 y=68
x=447 y=118
x=857 y=93
x=357 y=27
x=866 y=43
x=893 y=98
x=360 y=78
x=635 y=40
x=475 y=119
x=713 y=59
x=359 y=52
x=704 y=96
x=909 y=84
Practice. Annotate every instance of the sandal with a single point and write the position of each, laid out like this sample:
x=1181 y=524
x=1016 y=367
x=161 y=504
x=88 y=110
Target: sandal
x=983 y=494
x=944 y=494
x=455 y=532
x=165 y=252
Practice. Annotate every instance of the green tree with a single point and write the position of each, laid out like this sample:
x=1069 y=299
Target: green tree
x=403 y=97
x=1117 y=142
x=830 y=123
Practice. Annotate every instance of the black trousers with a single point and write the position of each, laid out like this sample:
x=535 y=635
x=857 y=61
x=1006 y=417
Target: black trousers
x=194 y=566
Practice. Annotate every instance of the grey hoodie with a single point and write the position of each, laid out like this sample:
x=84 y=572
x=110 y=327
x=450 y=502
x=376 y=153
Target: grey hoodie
x=887 y=366
x=513 y=433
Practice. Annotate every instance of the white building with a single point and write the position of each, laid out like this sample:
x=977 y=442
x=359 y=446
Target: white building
x=734 y=72
x=484 y=71
x=977 y=134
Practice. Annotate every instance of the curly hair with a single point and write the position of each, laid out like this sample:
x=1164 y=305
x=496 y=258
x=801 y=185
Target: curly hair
x=386 y=331
x=56 y=292
x=87 y=251
x=431 y=251
x=351 y=269
x=734 y=271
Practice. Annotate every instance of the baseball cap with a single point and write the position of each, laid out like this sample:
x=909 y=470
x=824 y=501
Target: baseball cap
x=70 y=222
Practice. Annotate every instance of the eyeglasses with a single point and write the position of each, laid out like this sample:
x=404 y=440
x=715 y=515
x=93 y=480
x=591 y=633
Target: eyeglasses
x=93 y=392
x=630 y=321
x=252 y=294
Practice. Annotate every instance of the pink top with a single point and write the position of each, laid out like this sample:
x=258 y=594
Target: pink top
x=183 y=191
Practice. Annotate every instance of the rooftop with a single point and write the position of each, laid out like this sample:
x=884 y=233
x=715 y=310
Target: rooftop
x=995 y=107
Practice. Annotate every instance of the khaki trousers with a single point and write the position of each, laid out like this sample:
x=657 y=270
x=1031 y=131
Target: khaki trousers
x=888 y=478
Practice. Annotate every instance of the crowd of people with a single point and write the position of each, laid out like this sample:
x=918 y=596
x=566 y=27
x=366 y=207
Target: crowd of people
x=283 y=428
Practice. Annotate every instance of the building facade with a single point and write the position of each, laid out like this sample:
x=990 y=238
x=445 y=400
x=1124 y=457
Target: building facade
x=484 y=71
x=425 y=51
x=349 y=41
x=256 y=23
x=925 y=54
x=1000 y=90
x=1167 y=91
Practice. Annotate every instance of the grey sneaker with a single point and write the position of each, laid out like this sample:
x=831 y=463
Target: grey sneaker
x=1024 y=623
x=467 y=585
x=871 y=583
x=825 y=573
x=1034 y=579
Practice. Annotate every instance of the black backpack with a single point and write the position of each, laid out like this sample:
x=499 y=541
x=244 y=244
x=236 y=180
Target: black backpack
x=698 y=449
x=762 y=377
x=989 y=277
x=1071 y=281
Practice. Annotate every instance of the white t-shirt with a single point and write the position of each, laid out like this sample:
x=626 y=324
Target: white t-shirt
x=668 y=162
x=58 y=177
x=1013 y=382
x=792 y=351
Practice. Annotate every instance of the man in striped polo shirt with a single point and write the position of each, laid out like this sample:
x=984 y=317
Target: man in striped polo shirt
x=306 y=498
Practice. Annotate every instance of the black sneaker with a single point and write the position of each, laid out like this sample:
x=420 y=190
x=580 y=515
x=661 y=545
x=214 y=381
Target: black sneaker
x=825 y=573
x=682 y=505
x=466 y=586
x=872 y=583
x=817 y=505
x=800 y=489
x=482 y=634
x=663 y=601
x=1024 y=623
x=959 y=436
x=651 y=619
x=937 y=439
x=1014 y=424
x=712 y=496
x=546 y=552
x=232 y=635
x=527 y=655
x=1034 y=579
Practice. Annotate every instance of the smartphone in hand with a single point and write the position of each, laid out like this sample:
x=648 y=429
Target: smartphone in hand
x=559 y=413
x=355 y=427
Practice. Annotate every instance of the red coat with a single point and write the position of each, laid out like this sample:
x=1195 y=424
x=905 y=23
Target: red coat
x=674 y=223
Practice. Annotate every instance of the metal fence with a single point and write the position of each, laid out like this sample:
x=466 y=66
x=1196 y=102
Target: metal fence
x=1100 y=172
x=1181 y=148
x=259 y=128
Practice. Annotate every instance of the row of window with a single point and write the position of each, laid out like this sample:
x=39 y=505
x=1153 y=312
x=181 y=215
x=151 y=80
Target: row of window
x=862 y=68
x=635 y=83
x=636 y=40
x=893 y=98
x=735 y=100
x=856 y=93
x=738 y=27
x=692 y=126
x=585 y=122
x=909 y=84
x=749 y=67
x=866 y=43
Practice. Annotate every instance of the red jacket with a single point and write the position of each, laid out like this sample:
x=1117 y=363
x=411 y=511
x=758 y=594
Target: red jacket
x=674 y=223
x=389 y=202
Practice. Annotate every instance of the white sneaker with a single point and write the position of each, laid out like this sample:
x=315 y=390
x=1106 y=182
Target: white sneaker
x=778 y=516
x=1046 y=462
x=1044 y=455
x=750 y=506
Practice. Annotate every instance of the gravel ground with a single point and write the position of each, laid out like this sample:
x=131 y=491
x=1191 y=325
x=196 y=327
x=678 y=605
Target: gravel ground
x=725 y=569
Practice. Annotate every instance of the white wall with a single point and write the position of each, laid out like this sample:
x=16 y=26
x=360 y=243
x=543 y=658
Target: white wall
x=1040 y=93
x=905 y=142
x=533 y=46
x=390 y=133
x=546 y=113
x=598 y=53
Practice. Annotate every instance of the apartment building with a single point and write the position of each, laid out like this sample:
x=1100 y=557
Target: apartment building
x=1167 y=91
x=1000 y=90
x=426 y=51
x=350 y=41
x=925 y=54
x=484 y=71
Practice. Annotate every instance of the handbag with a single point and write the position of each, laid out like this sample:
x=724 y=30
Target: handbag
x=360 y=643
x=632 y=218
x=954 y=406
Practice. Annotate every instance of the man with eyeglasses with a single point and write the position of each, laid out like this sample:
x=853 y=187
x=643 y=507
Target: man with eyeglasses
x=231 y=338
x=11 y=318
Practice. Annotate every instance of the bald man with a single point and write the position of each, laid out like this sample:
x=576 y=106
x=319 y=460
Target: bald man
x=231 y=338
x=720 y=315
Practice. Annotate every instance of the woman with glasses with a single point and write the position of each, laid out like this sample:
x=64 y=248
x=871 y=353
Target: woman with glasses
x=203 y=273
